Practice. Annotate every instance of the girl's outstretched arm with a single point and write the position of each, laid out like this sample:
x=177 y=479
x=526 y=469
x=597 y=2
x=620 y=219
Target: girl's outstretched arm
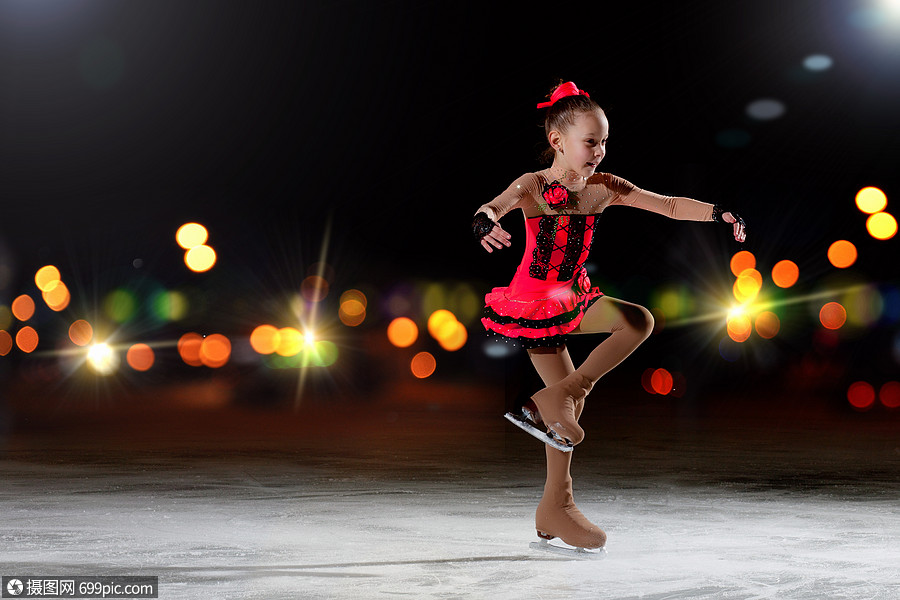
x=674 y=207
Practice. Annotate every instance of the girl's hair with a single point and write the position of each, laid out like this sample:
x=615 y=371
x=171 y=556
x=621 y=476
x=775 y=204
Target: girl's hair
x=561 y=115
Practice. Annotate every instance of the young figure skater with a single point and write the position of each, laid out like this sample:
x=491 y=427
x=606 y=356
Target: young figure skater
x=550 y=295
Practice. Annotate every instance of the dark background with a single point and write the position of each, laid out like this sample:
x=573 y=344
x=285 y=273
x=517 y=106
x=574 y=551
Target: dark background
x=374 y=130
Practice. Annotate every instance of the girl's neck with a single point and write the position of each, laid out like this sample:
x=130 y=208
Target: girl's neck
x=565 y=175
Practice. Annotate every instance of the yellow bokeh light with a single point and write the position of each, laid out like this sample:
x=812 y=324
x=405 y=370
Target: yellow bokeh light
x=81 y=333
x=785 y=273
x=355 y=295
x=440 y=323
x=58 y=297
x=190 y=235
x=290 y=341
x=833 y=315
x=871 y=200
x=739 y=328
x=842 y=254
x=422 y=365
x=352 y=313
x=46 y=278
x=140 y=357
x=402 y=332
x=455 y=338
x=200 y=258
x=881 y=226
x=103 y=359
x=265 y=339
x=741 y=261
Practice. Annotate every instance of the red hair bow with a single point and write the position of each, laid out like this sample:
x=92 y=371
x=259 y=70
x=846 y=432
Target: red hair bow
x=566 y=89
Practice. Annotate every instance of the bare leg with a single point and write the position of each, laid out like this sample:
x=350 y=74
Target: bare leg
x=557 y=515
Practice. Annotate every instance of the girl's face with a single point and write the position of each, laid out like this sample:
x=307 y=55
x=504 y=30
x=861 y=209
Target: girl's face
x=584 y=143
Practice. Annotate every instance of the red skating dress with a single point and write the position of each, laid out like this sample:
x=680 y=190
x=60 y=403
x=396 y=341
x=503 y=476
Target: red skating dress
x=550 y=291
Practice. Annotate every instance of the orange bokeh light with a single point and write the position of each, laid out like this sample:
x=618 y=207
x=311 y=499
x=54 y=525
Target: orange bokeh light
x=58 y=297
x=265 y=339
x=661 y=381
x=423 y=365
x=27 y=339
x=767 y=324
x=455 y=338
x=833 y=315
x=81 y=333
x=46 y=278
x=889 y=394
x=140 y=357
x=785 y=273
x=842 y=254
x=314 y=288
x=23 y=307
x=402 y=332
x=352 y=312
x=215 y=350
x=741 y=261
x=861 y=395
x=6 y=342
x=739 y=328
x=189 y=348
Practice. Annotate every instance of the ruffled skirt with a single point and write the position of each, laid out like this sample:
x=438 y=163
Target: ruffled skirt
x=533 y=313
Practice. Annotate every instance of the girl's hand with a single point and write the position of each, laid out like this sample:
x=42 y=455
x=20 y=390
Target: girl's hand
x=740 y=231
x=498 y=237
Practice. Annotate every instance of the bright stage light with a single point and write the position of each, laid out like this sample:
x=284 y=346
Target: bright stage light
x=103 y=359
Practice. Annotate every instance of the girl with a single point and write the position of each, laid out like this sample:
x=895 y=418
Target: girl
x=550 y=295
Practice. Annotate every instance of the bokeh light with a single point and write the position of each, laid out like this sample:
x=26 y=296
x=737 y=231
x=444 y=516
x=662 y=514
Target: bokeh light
x=290 y=341
x=423 y=365
x=832 y=315
x=842 y=254
x=785 y=273
x=27 y=339
x=767 y=324
x=6 y=342
x=747 y=285
x=881 y=226
x=314 y=288
x=58 y=297
x=738 y=327
x=168 y=306
x=864 y=305
x=765 y=109
x=23 y=307
x=455 y=338
x=265 y=339
x=741 y=261
x=190 y=235
x=871 y=200
x=817 y=62
x=189 y=348
x=661 y=381
x=889 y=394
x=140 y=357
x=402 y=332
x=6 y=317
x=200 y=259
x=46 y=278
x=861 y=395
x=215 y=350
x=81 y=332
x=120 y=305
x=102 y=359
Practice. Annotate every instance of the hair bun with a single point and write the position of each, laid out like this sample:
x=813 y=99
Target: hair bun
x=562 y=90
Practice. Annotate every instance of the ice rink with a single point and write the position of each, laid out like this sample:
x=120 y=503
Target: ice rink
x=395 y=499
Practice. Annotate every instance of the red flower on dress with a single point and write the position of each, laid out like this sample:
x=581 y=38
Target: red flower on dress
x=583 y=281
x=556 y=194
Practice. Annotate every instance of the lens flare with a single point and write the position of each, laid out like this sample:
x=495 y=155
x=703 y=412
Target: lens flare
x=23 y=307
x=81 y=333
x=871 y=200
x=423 y=365
x=881 y=226
x=140 y=357
x=842 y=254
x=103 y=359
x=190 y=235
x=402 y=332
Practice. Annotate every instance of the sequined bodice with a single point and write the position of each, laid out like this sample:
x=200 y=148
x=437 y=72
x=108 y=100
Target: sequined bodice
x=557 y=245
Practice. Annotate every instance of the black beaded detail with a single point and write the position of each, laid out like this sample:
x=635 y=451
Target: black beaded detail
x=575 y=228
x=482 y=225
x=717 y=213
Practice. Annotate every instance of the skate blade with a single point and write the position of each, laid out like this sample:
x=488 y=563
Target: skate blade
x=529 y=428
x=563 y=549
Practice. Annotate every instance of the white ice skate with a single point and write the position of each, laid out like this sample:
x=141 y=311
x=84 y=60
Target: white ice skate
x=560 y=547
x=527 y=422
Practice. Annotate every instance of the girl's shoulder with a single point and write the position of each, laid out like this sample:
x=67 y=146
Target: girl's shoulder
x=610 y=181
